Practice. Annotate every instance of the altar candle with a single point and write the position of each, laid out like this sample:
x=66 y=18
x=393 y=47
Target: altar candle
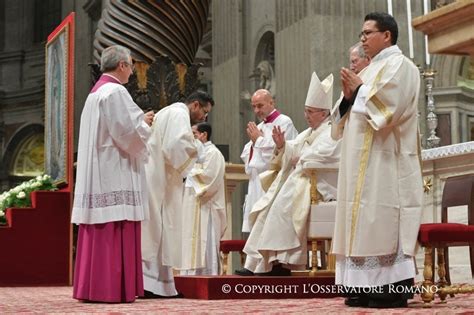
x=410 y=30
x=425 y=12
x=389 y=6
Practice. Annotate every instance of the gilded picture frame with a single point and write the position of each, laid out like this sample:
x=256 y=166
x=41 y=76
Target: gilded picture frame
x=59 y=103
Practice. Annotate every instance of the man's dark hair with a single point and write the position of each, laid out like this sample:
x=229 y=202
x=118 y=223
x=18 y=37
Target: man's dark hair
x=205 y=127
x=384 y=22
x=202 y=97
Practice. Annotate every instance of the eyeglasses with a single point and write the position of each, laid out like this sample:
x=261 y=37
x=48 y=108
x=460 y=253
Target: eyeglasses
x=131 y=65
x=205 y=111
x=365 y=34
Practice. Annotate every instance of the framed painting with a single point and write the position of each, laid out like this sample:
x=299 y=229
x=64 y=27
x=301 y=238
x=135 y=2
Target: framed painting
x=59 y=102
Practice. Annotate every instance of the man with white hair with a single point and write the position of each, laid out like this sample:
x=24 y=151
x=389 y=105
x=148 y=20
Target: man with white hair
x=277 y=241
x=357 y=58
x=110 y=198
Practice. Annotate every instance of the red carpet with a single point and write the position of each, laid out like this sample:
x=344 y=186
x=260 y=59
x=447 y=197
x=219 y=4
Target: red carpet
x=235 y=287
x=58 y=300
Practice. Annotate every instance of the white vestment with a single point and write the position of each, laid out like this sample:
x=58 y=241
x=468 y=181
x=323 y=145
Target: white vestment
x=204 y=216
x=257 y=157
x=173 y=152
x=279 y=218
x=110 y=185
x=380 y=184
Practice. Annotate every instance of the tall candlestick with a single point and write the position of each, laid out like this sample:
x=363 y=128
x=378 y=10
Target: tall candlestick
x=390 y=8
x=410 y=30
x=426 y=9
x=431 y=118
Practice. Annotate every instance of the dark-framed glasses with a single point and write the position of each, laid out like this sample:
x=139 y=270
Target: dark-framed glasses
x=365 y=34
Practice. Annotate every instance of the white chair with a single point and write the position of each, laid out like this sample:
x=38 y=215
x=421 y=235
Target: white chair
x=321 y=221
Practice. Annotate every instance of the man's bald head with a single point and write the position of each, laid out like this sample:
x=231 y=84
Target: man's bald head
x=262 y=103
x=262 y=92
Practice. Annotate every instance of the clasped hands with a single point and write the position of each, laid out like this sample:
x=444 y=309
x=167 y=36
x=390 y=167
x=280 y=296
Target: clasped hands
x=350 y=81
x=253 y=132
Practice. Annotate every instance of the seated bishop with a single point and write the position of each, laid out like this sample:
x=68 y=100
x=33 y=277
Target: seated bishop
x=277 y=242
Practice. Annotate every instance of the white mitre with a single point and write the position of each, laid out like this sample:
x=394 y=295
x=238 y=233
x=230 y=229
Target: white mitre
x=320 y=93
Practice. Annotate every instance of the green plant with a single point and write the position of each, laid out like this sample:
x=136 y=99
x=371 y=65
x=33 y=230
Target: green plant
x=19 y=196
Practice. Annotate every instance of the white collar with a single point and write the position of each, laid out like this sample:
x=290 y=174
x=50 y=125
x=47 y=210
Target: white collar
x=387 y=52
x=181 y=104
x=325 y=121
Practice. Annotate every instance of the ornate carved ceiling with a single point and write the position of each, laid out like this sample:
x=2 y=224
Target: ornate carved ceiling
x=152 y=28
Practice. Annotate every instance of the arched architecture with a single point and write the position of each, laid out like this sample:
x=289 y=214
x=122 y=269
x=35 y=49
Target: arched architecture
x=264 y=63
x=24 y=156
x=454 y=98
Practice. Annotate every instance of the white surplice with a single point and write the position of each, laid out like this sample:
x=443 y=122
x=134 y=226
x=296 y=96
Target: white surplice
x=262 y=153
x=173 y=152
x=380 y=183
x=279 y=218
x=113 y=147
x=204 y=216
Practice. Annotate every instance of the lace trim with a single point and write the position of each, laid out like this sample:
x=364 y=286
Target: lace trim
x=374 y=262
x=114 y=198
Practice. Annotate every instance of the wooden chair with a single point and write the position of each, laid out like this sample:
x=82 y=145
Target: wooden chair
x=458 y=191
x=437 y=237
x=227 y=246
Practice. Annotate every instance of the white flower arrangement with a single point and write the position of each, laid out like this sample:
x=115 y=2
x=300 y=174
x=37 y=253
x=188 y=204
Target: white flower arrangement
x=19 y=196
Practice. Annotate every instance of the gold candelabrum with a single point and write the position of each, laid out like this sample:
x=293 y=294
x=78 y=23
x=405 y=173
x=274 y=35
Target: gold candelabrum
x=433 y=140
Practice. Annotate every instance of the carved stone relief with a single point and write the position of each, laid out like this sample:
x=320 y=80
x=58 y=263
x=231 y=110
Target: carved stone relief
x=263 y=75
x=266 y=77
